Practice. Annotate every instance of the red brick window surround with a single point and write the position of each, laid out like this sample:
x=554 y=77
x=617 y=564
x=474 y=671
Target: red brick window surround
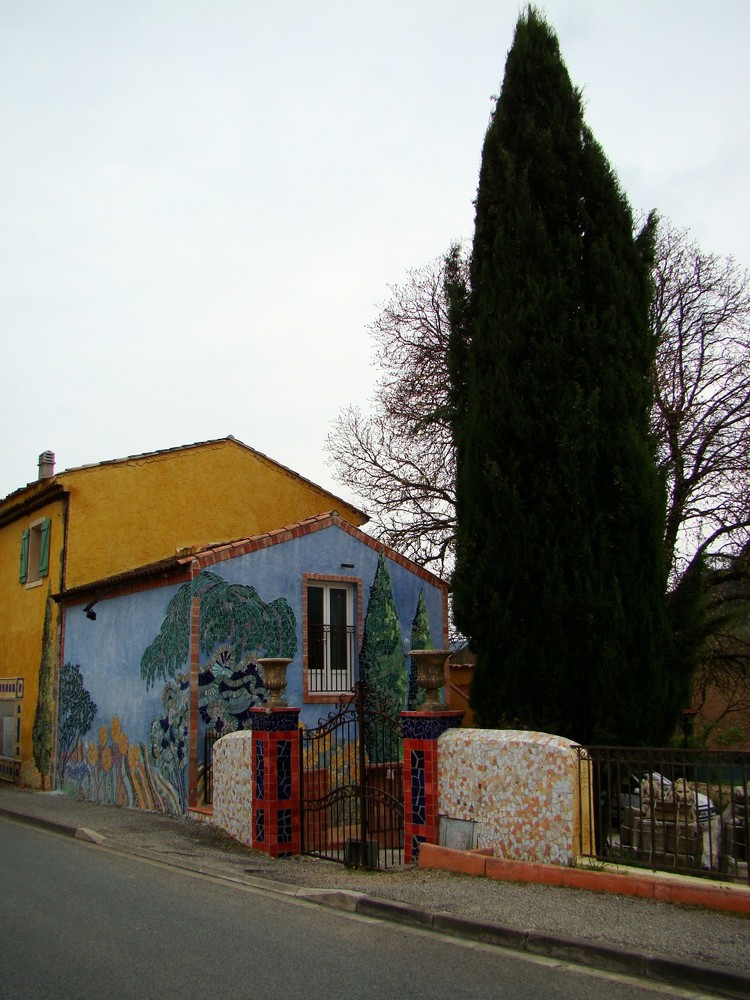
x=331 y=635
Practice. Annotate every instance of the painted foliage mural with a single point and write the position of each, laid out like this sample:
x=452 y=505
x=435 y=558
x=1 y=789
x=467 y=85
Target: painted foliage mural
x=420 y=639
x=382 y=665
x=236 y=628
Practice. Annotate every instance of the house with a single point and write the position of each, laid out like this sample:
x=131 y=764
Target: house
x=160 y=660
x=69 y=530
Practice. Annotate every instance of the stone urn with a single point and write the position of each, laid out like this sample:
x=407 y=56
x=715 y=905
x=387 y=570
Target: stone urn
x=431 y=675
x=274 y=678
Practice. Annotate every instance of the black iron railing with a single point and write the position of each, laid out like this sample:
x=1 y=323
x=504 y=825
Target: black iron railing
x=667 y=809
x=209 y=738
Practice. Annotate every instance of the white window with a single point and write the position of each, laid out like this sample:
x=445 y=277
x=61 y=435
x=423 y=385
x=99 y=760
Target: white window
x=329 y=637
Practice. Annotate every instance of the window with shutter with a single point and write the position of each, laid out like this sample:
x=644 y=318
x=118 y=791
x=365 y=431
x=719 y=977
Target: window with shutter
x=24 y=555
x=35 y=542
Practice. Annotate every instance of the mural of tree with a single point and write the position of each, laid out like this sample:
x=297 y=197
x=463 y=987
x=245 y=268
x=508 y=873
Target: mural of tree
x=41 y=735
x=169 y=735
x=77 y=711
x=420 y=639
x=228 y=690
x=234 y=618
x=381 y=663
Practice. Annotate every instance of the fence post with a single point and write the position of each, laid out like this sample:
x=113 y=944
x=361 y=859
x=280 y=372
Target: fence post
x=421 y=731
x=276 y=780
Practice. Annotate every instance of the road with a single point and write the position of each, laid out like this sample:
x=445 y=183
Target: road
x=79 y=921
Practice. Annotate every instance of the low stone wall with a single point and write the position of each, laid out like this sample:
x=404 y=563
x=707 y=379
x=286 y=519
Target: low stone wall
x=233 y=785
x=521 y=789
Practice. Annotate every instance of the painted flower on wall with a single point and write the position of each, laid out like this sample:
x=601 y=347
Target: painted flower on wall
x=169 y=736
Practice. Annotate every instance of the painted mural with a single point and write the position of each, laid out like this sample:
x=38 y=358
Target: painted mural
x=111 y=768
x=236 y=628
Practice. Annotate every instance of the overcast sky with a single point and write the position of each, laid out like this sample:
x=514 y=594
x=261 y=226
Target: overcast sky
x=202 y=204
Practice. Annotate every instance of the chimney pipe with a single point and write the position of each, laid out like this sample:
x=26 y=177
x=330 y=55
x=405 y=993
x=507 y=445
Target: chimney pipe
x=47 y=465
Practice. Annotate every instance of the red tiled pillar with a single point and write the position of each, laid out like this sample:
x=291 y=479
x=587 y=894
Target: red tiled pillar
x=276 y=780
x=421 y=731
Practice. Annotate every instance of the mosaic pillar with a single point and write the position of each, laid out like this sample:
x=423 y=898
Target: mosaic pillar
x=276 y=791
x=195 y=626
x=421 y=731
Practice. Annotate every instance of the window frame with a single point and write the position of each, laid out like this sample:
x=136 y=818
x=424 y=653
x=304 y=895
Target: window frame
x=353 y=585
x=35 y=551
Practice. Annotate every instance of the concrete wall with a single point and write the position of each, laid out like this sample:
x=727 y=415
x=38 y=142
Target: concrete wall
x=521 y=789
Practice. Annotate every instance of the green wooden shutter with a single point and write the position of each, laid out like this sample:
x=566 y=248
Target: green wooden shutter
x=24 y=556
x=44 y=547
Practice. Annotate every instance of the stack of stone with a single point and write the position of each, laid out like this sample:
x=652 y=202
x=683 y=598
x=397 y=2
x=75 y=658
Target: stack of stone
x=666 y=832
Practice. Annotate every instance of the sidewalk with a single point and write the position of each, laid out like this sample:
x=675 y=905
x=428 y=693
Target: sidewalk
x=687 y=946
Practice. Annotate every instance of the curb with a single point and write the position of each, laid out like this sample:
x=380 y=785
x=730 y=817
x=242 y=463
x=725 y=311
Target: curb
x=687 y=892
x=608 y=958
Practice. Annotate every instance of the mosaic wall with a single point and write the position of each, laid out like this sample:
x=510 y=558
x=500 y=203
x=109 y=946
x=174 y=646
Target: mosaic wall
x=519 y=787
x=233 y=786
x=109 y=767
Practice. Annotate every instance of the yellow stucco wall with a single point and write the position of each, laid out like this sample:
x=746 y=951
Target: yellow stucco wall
x=130 y=513
x=22 y=618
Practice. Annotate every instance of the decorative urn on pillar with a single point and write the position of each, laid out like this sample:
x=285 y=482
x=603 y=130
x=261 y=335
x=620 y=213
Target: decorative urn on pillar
x=274 y=678
x=431 y=675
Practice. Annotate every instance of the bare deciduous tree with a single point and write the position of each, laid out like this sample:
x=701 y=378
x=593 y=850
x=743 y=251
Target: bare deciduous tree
x=701 y=415
x=399 y=458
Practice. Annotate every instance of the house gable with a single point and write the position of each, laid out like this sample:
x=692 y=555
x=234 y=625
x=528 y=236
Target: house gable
x=129 y=512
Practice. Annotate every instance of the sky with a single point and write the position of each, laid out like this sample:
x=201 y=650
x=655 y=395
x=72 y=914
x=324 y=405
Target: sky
x=203 y=203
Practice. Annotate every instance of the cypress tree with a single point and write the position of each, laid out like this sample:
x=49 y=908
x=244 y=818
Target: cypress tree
x=382 y=666
x=420 y=639
x=560 y=577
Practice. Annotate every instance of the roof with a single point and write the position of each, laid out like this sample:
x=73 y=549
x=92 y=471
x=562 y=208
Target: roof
x=19 y=496
x=187 y=563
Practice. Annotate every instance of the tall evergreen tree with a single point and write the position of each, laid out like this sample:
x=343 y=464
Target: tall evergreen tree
x=560 y=575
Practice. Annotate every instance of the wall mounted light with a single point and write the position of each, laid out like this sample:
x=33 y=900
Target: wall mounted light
x=89 y=611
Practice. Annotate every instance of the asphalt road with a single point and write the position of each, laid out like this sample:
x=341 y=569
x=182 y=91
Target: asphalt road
x=79 y=921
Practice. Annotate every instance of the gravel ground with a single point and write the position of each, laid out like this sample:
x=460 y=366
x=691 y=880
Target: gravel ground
x=643 y=926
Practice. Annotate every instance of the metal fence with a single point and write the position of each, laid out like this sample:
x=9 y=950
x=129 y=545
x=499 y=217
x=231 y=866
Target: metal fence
x=668 y=809
x=209 y=738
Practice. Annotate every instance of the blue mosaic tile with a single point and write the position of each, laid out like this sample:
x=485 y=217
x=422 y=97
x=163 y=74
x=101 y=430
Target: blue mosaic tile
x=417 y=777
x=274 y=722
x=426 y=727
x=416 y=842
x=284 y=770
x=260 y=826
x=284 y=826
x=260 y=770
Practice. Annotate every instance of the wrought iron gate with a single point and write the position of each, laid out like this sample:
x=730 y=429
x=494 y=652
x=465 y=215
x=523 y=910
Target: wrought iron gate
x=352 y=783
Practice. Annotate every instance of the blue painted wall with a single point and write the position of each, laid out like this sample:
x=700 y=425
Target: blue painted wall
x=109 y=652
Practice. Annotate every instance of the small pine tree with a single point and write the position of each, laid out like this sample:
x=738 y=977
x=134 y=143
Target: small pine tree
x=420 y=639
x=560 y=576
